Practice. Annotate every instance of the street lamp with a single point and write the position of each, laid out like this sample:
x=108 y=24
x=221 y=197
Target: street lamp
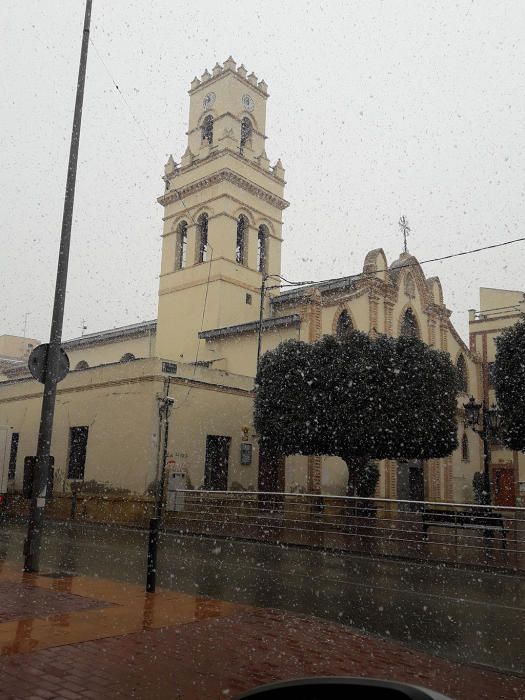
x=485 y=422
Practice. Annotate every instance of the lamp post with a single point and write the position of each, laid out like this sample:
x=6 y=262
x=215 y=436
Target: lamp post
x=485 y=422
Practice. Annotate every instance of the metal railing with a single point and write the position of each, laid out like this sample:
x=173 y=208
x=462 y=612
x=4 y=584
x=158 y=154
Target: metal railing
x=458 y=532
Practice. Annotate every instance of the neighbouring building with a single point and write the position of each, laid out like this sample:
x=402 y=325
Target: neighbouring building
x=498 y=309
x=221 y=243
x=14 y=351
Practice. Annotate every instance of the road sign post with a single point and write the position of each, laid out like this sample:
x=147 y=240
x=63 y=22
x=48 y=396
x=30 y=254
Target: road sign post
x=51 y=374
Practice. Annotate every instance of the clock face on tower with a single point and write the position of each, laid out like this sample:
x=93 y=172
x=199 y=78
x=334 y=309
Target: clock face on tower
x=248 y=103
x=209 y=100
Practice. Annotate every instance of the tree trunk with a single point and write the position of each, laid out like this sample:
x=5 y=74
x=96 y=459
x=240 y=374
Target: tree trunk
x=354 y=465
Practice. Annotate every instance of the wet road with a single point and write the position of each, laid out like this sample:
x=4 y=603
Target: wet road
x=457 y=613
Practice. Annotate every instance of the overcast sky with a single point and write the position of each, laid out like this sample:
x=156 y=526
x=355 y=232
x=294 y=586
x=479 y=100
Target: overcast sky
x=377 y=109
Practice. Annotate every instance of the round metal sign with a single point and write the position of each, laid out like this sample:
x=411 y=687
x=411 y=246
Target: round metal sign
x=37 y=363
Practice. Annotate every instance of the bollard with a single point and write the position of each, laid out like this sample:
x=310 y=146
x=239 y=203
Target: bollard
x=153 y=540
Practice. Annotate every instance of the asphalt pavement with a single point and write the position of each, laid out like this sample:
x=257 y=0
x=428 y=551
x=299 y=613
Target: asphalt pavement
x=463 y=615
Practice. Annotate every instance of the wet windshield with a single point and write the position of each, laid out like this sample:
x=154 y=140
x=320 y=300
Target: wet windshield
x=262 y=348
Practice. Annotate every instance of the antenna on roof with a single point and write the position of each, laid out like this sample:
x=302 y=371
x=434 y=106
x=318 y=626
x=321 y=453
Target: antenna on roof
x=28 y=313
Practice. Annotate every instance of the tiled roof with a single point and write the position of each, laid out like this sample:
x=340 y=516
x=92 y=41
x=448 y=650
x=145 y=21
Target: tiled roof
x=267 y=324
x=134 y=329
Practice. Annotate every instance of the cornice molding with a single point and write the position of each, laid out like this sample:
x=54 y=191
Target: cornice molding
x=223 y=175
x=228 y=71
x=157 y=377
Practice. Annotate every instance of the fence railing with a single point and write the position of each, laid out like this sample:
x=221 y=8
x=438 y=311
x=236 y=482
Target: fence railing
x=471 y=534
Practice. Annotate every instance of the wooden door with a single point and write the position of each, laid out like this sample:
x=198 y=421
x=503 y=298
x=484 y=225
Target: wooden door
x=504 y=487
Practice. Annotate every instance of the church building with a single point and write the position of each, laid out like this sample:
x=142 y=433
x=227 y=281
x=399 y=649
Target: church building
x=222 y=234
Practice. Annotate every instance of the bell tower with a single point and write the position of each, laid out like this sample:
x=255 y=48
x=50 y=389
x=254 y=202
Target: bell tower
x=223 y=207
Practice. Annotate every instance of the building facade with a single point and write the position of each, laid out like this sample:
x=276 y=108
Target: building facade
x=222 y=234
x=498 y=309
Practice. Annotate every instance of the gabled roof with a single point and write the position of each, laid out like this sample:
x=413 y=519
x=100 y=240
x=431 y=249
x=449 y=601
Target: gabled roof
x=327 y=286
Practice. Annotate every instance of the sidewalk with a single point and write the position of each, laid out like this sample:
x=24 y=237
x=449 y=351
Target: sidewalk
x=81 y=637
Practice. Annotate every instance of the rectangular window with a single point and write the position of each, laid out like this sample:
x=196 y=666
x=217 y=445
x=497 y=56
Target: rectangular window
x=78 y=437
x=15 y=438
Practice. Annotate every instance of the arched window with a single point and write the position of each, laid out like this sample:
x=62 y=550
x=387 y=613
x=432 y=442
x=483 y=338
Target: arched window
x=344 y=325
x=461 y=366
x=464 y=448
x=82 y=365
x=202 y=237
x=128 y=357
x=246 y=133
x=262 y=248
x=182 y=245
x=409 y=327
x=240 y=247
x=207 y=130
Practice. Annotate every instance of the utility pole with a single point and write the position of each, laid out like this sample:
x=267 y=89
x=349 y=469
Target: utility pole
x=165 y=406
x=261 y=309
x=32 y=544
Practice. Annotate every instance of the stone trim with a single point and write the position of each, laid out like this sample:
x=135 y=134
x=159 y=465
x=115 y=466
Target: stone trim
x=373 y=304
x=189 y=215
x=314 y=474
x=389 y=316
x=224 y=175
x=215 y=78
x=218 y=117
x=267 y=325
x=114 y=335
x=194 y=383
x=213 y=278
x=492 y=318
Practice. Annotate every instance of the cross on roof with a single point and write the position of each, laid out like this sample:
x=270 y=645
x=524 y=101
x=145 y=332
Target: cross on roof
x=403 y=225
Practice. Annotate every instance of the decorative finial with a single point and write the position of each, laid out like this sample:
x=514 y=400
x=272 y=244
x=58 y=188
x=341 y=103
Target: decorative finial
x=403 y=225
x=217 y=69
x=195 y=83
x=229 y=64
x=241 y=70
x=263 y=87
x=205 y=76
x=252 y=78
x=170 y=166
x=278 y=170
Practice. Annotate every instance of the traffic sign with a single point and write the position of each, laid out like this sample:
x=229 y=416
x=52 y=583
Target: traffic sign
x=37 y=363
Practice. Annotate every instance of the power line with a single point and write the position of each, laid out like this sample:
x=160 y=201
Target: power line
x=146 y=139
x=410 y=263
x=186 y=208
